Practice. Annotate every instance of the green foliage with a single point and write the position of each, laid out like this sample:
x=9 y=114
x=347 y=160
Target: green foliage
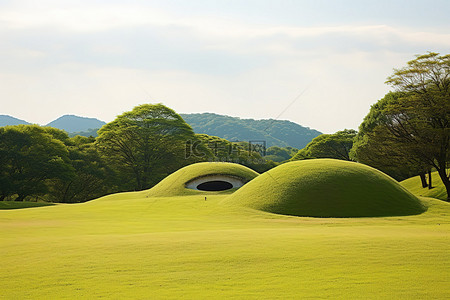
x=413 y=123
x=274 y=132
x=174 y=184
x=327 y=188
x=93 y=176
x=279 y=154
x=87 y=133
x=145 y=144
x=377 y=147
x=30 y=155
x=336 y=145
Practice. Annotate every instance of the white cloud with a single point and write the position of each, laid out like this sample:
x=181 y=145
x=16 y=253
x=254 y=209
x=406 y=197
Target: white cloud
x=99 y=60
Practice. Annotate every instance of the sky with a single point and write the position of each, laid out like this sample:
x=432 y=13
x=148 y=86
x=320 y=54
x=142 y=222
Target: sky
x=318 y=63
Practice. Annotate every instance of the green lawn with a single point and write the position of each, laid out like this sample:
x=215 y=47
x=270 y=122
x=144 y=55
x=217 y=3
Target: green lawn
x=437 y=191
x=22 y=204
x=128 y=246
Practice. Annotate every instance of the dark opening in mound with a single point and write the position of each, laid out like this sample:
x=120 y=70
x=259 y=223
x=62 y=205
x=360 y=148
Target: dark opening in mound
x=215 y=185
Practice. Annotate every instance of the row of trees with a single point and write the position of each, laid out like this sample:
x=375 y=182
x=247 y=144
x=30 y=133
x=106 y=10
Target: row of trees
x=39 y=161
x=407 y=132
x=133 y=152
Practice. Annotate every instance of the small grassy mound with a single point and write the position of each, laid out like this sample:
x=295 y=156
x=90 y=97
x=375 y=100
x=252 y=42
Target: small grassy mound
x=174 y=184
x=414 y=185
x=327 y=188
x=18 y=205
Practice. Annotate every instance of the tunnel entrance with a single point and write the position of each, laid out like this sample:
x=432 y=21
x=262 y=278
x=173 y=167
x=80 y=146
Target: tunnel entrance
x=214 y=185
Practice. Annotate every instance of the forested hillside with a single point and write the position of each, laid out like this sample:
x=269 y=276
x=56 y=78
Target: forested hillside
x=275 y=132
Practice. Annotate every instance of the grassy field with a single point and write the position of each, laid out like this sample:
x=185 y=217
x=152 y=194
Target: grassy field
x=129 y=246
x=414 y=185
x=22 y=204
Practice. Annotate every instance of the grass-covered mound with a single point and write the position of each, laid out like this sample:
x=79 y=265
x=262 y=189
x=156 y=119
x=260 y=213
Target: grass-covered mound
x=414 y=185
x=174 y=184
x=327 y=188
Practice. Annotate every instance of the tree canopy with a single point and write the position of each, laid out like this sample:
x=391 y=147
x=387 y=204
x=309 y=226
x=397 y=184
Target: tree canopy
x=336 y=145
x=145 y=144
x=30 y=155
x=413 y=124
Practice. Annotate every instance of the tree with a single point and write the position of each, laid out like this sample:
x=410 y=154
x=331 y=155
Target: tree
x=279 y=154
x=30 y=156
x=336 y=145
x=145 y=144
x=93 y=177
x=420 y=120
x=374 y=144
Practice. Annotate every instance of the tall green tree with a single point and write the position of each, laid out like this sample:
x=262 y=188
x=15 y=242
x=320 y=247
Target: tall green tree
x=376 y=146
x=415 y=121
x=145 y=144
x=336 y=145
x=421 y=119
x=29 y=157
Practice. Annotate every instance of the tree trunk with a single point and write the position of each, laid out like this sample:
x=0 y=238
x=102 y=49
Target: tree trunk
x=445 y=180
x=429 y=180
x=423 y=179
x=20 y=198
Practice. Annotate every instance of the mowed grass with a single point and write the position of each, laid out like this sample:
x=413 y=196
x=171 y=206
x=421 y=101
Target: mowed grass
x=414 y=185
x=327 y=188
x=22 y=204
x=127 y=246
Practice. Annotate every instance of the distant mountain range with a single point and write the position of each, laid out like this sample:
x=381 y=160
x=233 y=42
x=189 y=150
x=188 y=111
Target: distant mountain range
x=6 y=120
x=71 y=123
x=274 y=132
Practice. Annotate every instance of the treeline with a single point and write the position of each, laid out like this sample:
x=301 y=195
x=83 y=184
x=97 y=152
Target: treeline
x=133 y=152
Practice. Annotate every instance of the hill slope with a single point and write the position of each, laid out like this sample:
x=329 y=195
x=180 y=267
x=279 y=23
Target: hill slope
x=414 y=185
x=6 y=120
x=72 y=123
x=275 y=132
x=327 y=188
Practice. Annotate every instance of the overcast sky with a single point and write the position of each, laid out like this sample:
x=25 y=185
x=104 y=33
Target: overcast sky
x=244 y=58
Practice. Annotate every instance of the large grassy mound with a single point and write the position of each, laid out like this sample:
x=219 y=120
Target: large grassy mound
x=174 y=184
x=414 y=185
x=327 y=188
